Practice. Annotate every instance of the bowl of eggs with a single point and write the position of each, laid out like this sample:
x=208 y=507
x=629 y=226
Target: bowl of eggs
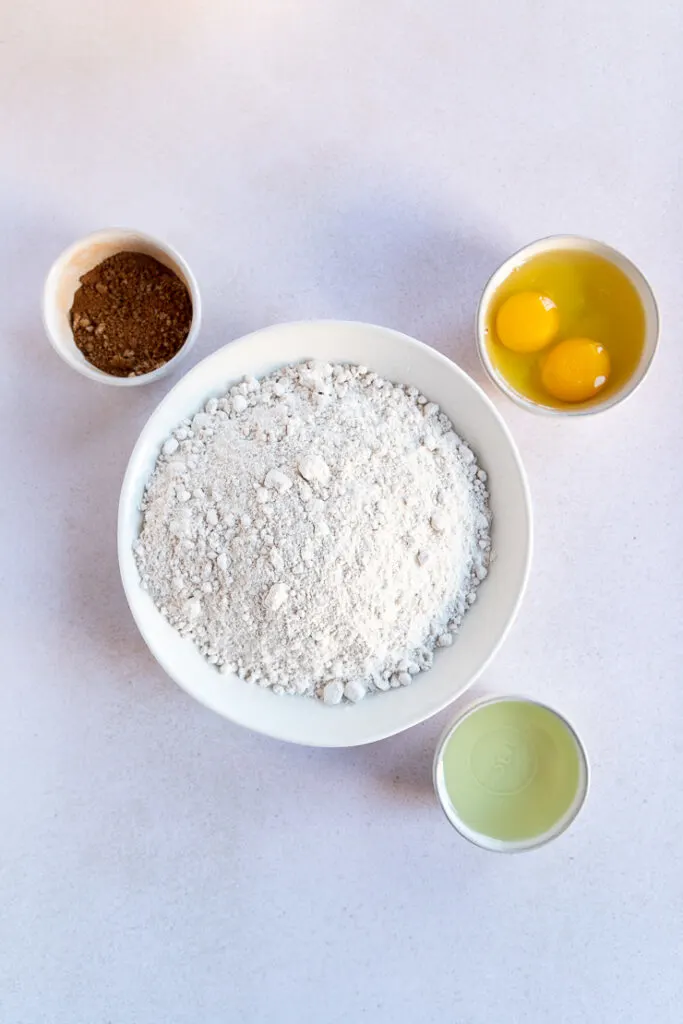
x=567 y=326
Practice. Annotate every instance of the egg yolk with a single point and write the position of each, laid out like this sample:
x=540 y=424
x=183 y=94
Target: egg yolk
x=527 y=322
x=575 y=369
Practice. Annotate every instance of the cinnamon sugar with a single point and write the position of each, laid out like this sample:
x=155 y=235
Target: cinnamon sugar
x=130 y=315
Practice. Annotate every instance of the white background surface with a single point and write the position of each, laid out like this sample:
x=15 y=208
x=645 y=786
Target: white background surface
x=370 y=160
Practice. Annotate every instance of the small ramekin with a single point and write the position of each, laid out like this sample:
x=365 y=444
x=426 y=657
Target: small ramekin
x=499 y=747
x=637 y=279
x=63 y=281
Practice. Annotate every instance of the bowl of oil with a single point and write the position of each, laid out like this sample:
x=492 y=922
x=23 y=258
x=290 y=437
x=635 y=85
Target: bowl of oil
x=510 y=774
x=567 y=326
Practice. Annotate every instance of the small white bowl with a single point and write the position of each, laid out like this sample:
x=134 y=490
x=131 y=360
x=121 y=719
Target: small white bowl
x=530 y=753
x=63 y=281
x=576 y=243
x=401 y=359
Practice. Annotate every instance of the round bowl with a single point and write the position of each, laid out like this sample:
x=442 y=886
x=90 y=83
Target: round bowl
x=400 y=359
x=589 y=245
x=63 y=280
x=511 y=774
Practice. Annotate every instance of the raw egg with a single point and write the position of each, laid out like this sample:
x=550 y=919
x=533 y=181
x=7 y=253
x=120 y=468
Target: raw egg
x=565 y=327
x=575 y=369
x=527 y=322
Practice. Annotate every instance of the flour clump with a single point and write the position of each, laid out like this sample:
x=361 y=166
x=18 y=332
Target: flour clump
x=320 y=532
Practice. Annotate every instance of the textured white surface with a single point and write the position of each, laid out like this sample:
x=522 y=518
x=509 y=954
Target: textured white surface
x=371 y=160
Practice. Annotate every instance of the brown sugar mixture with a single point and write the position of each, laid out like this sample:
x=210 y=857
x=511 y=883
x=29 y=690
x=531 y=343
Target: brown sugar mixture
x=130 y=315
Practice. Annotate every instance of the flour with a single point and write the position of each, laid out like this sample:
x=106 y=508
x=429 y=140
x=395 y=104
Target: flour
x=320 y=532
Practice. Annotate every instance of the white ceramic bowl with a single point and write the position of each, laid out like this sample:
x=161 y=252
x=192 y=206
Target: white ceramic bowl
x=637 y=279
x=399 y=359
x=506 y=751
x=63 y=281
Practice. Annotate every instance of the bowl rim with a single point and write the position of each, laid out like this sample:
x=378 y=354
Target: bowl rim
x=586 y=244
x=127 y=496
x=90 y=371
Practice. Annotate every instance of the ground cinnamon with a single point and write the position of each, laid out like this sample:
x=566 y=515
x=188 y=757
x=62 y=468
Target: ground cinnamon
x=130 y=315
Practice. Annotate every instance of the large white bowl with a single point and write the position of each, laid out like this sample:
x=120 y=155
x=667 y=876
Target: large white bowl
x=398 y=358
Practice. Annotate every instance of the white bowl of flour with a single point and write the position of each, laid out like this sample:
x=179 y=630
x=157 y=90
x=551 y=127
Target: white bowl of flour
x=337 y=523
